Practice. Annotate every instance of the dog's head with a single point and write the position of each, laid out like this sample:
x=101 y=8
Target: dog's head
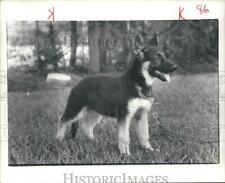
x=154 y=59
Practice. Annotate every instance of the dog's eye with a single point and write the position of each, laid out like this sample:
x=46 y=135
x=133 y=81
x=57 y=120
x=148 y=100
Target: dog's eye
x=159 y=55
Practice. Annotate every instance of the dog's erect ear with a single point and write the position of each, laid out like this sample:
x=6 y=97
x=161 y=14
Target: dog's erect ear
x=138 y=43
x=154 y=40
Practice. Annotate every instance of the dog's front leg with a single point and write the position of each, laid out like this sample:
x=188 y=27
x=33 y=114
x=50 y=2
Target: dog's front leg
x=141 y=127
x=124 y=136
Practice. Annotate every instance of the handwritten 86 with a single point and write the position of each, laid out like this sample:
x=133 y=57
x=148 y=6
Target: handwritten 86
x=202 y=9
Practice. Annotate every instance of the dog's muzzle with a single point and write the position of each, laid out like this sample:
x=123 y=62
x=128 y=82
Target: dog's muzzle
x=163 y=76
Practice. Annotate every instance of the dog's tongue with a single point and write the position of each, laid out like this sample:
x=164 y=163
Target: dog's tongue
x=162 y=76
x=167 y=77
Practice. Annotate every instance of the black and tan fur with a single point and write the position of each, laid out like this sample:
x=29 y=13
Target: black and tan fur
x=119 y=97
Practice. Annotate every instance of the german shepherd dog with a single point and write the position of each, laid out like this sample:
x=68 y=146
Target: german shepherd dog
x=122 y=97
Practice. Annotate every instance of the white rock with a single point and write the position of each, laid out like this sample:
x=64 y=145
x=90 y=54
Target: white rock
x=58 y=77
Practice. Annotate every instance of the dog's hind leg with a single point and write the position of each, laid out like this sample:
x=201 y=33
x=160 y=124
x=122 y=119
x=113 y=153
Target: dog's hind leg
x=61 y=129
x=74 y=128
x=68 y=121
x=89 y=121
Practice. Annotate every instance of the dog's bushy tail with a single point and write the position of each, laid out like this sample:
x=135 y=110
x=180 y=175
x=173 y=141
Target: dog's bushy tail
x=69 y=118
x=75 y=103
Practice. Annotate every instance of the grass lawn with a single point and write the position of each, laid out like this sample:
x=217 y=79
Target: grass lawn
x=188 y=106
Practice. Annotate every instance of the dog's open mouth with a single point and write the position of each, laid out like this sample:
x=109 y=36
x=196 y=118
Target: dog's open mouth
x=161 y=75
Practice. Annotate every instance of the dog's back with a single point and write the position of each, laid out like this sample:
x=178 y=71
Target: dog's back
x=105 y=94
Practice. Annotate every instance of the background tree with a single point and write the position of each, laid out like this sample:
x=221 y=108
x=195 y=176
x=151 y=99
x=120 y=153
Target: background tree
x=37 y=45
x=93 y=37
x=73 y=43
x=55 y=53
x=104 y=44
x=49 y=51
x=187 y=43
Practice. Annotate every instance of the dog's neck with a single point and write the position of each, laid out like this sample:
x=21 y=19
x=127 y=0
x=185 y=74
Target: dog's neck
x=144 y=93
x=145 y=73
x=137 y=75
x=134 y=72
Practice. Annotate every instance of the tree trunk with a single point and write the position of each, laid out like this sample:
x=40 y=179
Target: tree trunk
x=73 y=43
x=128 y=26
x=93 y=37
x=37 y=46
x=53 y=45
x=104 y=43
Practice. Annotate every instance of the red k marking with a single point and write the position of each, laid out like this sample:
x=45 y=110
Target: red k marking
x=52 y=14
x=180 y=13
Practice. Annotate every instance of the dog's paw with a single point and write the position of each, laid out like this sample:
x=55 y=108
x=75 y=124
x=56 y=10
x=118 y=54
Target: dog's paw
x=95 y=140
x=151 y=149
x=61 y=133
x=59 y=136
x=148 y=147
x=156 y=150
x=124 y=151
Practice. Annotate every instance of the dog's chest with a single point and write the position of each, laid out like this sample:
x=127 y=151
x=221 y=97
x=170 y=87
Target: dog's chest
x=139 y=103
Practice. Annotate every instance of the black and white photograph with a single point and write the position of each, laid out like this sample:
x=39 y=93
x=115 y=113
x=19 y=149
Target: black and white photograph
x=113 y=92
